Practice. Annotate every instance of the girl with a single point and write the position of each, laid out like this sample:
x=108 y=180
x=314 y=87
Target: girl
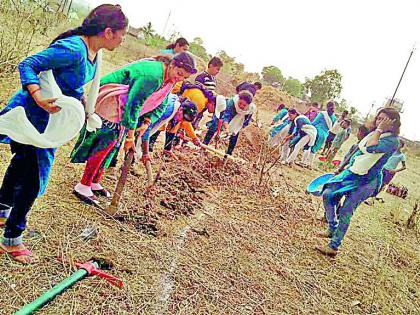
x=235 y=117
x=183 y=118
x=336 y=128
x=180 y=45
x=339 y=138
x=323 y=122
x=301 y=133
x=281 y=112
x=135 y=90
x=312 y=111
x=280 y=130
x=72 y=58
x=361 y=178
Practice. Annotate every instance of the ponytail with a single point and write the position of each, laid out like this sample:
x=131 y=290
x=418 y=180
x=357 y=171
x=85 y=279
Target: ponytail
x=100 y=18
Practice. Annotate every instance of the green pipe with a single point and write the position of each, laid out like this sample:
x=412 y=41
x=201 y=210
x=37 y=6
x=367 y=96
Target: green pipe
x=52 y=293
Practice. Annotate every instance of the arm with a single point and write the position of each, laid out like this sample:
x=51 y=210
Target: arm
x=373 y=142
x=54 y=57
x=187 y=126
x=401 y=168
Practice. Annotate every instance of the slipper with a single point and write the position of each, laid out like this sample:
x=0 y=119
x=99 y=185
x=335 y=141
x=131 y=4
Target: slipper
x=102 y=192
x=19 y=253
x=92 y=201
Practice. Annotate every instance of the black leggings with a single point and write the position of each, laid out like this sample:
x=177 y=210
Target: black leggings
x=20 y=187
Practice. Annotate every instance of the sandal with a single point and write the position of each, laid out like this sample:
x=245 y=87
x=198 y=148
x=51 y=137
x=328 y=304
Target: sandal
x=19 y=253
x=102 y=192
x=92 y=201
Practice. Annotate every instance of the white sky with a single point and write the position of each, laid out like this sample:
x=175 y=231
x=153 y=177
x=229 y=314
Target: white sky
x=368 y=41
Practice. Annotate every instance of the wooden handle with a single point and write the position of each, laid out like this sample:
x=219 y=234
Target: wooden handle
x=113 y=207
x=149 y=171
x=220 y=153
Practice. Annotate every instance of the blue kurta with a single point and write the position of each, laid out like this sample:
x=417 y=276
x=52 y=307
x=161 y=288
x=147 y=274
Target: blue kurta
x=283 y=112
x=169 y=110
x=347 y=181
x=322 y=130
x=296 y=129
x=68 y=58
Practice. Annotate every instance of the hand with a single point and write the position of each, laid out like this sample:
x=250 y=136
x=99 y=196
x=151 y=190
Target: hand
x=129 y=144
x=145 y=158
x=196 y=141
x=48 y=105
x=386 y=124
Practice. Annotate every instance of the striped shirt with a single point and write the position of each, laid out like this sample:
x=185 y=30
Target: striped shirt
x=207 y=80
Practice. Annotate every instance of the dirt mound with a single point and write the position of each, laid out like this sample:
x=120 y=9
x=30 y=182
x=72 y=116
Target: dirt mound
x=269 y=98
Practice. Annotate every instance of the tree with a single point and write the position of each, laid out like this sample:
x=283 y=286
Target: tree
x=272 y=75
x=148 y=32
x=325 y=86
x=342 y=105
x=294 y=87
x=229 y=63
x=198 y=41
x=197 y=48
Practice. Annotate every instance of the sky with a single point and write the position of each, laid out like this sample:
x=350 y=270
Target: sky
x=367 y=41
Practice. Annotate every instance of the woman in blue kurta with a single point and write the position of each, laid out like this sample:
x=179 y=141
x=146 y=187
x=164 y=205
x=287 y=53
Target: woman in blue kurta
x=301 y=133
x=361 y=178
x=180 y=45
x=235 y=117
x=323 y=122
x=72 y=58
x=279 y=123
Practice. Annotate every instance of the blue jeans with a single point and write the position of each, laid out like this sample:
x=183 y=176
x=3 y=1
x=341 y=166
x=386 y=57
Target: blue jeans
x=338 y=217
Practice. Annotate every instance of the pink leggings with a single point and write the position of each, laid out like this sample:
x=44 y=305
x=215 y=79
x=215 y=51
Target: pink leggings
x=94 y=171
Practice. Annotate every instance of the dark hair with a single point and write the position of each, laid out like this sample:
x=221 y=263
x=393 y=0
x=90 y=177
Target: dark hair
x=330 y=104
x=402 y=143
x=180 y=41
x=316 y=104
x=189 y=109
x=100 y=18
x=345 y=112
x=347 y=121
x=216 y=62
x=293 y=111
x=207 y=94
x=281 y=106
x=246 y=96
x=364 y=130
x=186 y=61
x=258 y=85
x=392 y=114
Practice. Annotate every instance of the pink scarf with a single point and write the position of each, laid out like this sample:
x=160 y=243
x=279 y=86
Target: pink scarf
x=156 y=98
x=113 y=97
